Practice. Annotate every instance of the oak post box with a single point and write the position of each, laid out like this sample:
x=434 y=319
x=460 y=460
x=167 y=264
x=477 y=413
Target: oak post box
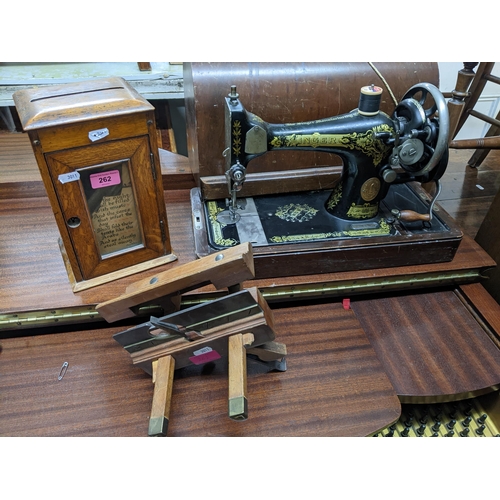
x=96 y=147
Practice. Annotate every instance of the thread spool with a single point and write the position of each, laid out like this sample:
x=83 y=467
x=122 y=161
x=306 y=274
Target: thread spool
x=369 y=100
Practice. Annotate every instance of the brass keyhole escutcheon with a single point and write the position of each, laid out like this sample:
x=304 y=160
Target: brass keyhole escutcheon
x=73 y=222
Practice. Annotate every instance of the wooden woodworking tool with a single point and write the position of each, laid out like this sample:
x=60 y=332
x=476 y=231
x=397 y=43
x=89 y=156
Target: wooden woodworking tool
x=224 y=269
x=226 y=327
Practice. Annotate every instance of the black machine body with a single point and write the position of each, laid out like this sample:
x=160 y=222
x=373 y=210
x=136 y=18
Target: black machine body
x=377 y=150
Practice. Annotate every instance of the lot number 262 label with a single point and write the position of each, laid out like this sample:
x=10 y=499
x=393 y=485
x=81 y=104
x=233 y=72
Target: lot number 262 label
x=105 y=179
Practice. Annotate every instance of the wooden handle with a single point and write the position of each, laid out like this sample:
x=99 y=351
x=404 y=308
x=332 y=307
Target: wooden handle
x=411 y=216
x=238 y=403
x=481 y=143
x=222 y=269
x=163 y=378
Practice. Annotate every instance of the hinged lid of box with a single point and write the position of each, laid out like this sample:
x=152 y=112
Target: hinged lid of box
x=77 y=102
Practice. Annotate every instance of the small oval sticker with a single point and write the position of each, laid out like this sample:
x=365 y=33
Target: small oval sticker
x=95 y=135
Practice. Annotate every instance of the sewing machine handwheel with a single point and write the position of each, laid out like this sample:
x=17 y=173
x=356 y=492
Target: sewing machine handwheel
x=424 y=93
x=441 y=143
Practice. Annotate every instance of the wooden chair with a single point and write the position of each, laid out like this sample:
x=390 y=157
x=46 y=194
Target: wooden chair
x=470 y=86
x=461 y=104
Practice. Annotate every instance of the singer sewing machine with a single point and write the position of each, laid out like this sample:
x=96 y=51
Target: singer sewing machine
x=375 y=212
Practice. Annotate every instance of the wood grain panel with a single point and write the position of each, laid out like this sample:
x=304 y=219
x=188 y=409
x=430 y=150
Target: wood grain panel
x=20 y=176
x=31 y=261
x=431 y=347
x=17 y=161
x=33 y=273
x=486 y=306
x=334 y=385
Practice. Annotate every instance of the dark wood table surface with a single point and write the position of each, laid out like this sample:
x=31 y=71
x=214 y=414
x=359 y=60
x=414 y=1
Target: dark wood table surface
x=34 y=277
x=347 y=372
x=334 y=385
x=345 y=367
x=431 y=345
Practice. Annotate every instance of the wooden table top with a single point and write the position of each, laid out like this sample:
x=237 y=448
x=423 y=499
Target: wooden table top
x=334 y=385
x=347 y=372
x=32 y=271
x=431 y=346
x=34 y=277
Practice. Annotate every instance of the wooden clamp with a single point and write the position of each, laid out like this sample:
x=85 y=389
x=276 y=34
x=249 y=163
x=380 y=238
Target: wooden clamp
x=224 y=269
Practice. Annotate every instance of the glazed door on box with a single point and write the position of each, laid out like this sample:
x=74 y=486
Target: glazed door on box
x=106 y=193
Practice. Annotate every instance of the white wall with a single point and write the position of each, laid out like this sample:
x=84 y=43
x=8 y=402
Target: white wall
x=488 y=103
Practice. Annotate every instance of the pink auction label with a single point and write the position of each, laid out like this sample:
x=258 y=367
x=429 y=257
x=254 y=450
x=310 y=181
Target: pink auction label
x=205 y=357
x=105 y=179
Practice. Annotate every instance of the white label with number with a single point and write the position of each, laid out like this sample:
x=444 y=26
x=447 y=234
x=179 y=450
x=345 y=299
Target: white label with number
x=72 y=176
x=203 y=350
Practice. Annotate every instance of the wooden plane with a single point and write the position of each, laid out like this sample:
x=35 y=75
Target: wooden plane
x=227 y=268
x=231 y=327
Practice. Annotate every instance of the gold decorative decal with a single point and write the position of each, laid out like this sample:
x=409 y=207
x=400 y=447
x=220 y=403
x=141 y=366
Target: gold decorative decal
x=365 y=211
x=236 y=137
x=365 y=142
x=370 y=189
x=382 y=230
x=213 y=211
x=335 y=197
x=296 y=213
x=303 y=237
x=277 y=143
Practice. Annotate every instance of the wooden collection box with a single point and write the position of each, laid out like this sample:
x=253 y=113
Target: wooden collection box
x=96 y=147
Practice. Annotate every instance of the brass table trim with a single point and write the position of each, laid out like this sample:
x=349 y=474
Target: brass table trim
x=87 y=313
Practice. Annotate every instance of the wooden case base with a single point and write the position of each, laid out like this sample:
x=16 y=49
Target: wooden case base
x=78 y=286
x=393 y=246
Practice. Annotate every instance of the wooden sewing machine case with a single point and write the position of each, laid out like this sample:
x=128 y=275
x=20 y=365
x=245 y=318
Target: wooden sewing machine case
x=290 y=93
